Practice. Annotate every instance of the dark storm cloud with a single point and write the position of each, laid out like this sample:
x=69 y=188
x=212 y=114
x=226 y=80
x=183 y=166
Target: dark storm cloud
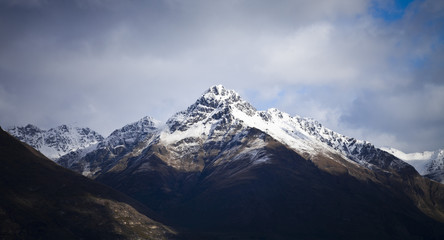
x=105 y=63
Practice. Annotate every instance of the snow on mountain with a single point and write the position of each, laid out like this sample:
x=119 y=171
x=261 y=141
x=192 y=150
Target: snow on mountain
x=220 y=110
x=428 y=163
x=58 y=141
x=216 y=123
x=131 y=133
x=117 y=144
x=221 y=157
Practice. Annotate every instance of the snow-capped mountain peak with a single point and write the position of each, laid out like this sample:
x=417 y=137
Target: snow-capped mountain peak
x=120 y=142
x=427 y=163
x=218 y=97
x=215 y=104
x=57 y=141
x=30 y=134
x=219 y=111
x=219 y=91
x=132 y=132
x=417 y=156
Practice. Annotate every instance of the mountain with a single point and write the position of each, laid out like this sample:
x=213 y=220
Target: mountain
x=213 y=115
x=429 y=163
x=56 y=142
x=41 y=200
x=222 y=169
x=102 y=155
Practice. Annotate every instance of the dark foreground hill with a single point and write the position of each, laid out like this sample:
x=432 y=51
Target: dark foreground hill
x=41 y=200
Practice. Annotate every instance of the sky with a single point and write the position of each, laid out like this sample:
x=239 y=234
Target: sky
x=369 y=69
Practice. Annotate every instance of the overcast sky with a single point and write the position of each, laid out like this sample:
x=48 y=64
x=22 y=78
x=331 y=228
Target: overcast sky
x=372 y=70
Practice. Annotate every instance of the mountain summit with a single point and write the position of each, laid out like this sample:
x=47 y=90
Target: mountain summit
x=220 y=110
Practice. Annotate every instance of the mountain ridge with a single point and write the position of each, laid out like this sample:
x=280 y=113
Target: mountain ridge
x=427 y=163
x=118 y=143
x=218 y=101
x=221 y=106
x=58 y=141
x=221 y=168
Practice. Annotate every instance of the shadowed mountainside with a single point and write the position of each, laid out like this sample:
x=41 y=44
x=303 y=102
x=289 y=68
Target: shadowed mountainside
x=290 y=196
x=41 y=200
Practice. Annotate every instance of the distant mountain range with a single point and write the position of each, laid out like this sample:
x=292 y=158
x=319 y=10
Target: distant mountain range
x=429 y=163
x=56 y=142
x=222 y=169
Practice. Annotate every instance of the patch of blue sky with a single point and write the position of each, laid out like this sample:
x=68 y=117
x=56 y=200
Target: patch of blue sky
x=389 y=11
x=418 y=62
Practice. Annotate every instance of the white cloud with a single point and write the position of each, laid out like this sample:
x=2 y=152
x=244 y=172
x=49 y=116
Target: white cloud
x=308 y=57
